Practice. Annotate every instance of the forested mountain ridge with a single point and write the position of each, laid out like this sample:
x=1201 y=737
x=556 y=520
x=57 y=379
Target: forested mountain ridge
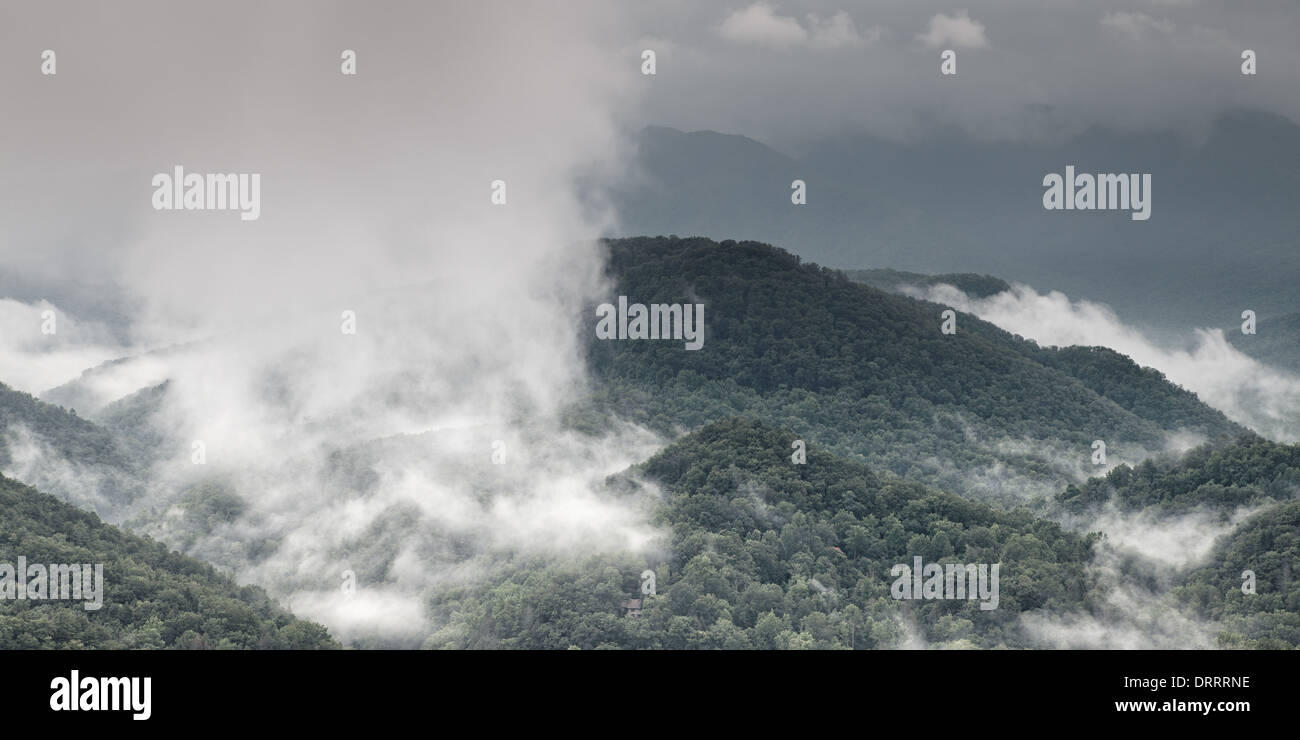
x=69 y=434
x=152 y=598
x=766 y=553
x=761 y=552
x=869 y=373
x=1252 y=586
x=1250 y=471
x=1252 y=477
x=67 y=455
x=771 y=554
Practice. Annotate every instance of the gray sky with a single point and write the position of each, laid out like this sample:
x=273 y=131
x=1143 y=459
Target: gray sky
x=789 y=71
x=450 y=96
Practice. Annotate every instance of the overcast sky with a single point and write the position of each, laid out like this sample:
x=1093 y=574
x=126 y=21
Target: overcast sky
x=452 y=95
x=790 y=71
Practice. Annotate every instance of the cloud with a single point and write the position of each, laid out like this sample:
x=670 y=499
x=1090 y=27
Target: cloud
x=1056 y=71
x=1136 y=25
x=1178 y=542
x=85 y=484
x=839 y=31
x=1130 y=618
x=1250 y=393
x=954 y=31
x=1141 y=558
x=32 y=360
x=761 y=25
x=330 y=451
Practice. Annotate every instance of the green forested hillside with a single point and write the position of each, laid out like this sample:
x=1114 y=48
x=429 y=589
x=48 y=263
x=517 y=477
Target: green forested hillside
x=769 y=554
x=68 y=456
x=1142 y=391
x=759 y=552
x=68 y=434
x=1251 y=471
x=1268 y=545
x=869 y=373
x=152 y=598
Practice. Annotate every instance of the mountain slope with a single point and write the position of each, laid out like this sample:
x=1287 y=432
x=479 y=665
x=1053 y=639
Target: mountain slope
x=1268 y=616
x=1251 y=476
x=769 y=554
x=72 y=457
x=870 y=374
x=152 y=598
x=1250 y=471
x=68 y=434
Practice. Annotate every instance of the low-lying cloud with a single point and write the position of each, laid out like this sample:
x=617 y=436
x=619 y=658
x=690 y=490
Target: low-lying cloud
x=1253 y=394
x=1142 y=557
x=376 y=374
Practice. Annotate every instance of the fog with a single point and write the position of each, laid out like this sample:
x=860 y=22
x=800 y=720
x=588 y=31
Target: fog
x=1263 y=398
x=374 y=372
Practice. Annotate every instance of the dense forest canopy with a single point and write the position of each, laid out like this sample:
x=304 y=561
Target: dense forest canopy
x=153 y=598
x=770 y=554
x=980 y=412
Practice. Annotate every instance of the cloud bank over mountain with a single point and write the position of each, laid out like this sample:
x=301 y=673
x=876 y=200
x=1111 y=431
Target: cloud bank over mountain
x=1253 y=394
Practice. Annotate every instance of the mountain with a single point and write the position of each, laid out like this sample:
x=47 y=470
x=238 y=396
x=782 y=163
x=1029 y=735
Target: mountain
x=115 y=467
x=869 y=374
x=1221 y=237
x=1263 y=552
x=1252 y=471
x=953 y=447
x=1252 y=477
x=54 y=448
x=65 y=431
x=980 y=412
x=102 y=384
x=769 y=554
x=151 y=598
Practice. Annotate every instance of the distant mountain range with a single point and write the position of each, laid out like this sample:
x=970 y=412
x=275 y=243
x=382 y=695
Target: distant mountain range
x=1276 y=340
x=1224 y=234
